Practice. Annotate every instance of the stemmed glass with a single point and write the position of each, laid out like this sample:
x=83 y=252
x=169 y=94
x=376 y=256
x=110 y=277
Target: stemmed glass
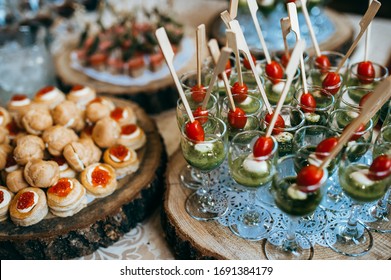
x=251 y=173
x=295 y=203
x=274 y=88
x=205 y=156
x=381 y=72
x=362 y=183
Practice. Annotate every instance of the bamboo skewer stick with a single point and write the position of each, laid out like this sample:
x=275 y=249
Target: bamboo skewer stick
x=290 y=72
x=232 y=43
x=367 y=38
x=200 y=38
x=285 y=28
x=310 y=28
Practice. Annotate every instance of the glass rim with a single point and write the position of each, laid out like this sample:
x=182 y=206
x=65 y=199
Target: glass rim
x=324 y=92
x=353 y=69
x=285 y=129
x=346 y=91
x=180 y=106
x=215 y=139
x=367 y=129
x=314 y=127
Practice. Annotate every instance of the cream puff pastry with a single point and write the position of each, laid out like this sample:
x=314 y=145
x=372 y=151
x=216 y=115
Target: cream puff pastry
x=57 y=137
x=99 y=179
x=65 y=170
x=106 y=132
x=18 y=104
x=36 y=120
x=132 y=136
x=28 y=148
x=5 y=151
x=5 y=117
x=68 y=115
x=5 y=202
x=77 y=155
x=98 y=108
x=66 y=197
x=15 y=180
x=123 y=115
x=49 y=96
x=28 y=207
x=41 y=174
x=123 y=159
x=81 y=95
x=4 y=139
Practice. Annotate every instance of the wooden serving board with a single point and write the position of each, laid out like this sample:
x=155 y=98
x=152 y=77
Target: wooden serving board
x=192 y=239
x=104 y=220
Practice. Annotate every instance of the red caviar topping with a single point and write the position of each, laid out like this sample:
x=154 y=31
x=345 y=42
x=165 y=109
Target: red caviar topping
x=128 y=129
x=25 y=200
x=1 y=196
x=100 y=177
x=77 y=87
x=19 y=97
x=117 y=114
x=62 y=188
x=10 y=161
x=60 y=160
x=44 y=91
x=119 y=151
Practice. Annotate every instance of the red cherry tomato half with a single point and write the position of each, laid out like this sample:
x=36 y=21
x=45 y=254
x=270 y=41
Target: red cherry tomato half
x=195 y=131
x=308 y=103
x=380 y=168
x=237 y=119
x=366 y=72
x=285 y=59
x=240 y=92
x=322 y=62
x=199 y=112
x=263 y=146
x=364 y=99
x=198 y=93
x=246 y=63
x=309 y=177
x=358 y=132
x=274 y=71
x=332 y=82
x=280 y=123
x=326 y=146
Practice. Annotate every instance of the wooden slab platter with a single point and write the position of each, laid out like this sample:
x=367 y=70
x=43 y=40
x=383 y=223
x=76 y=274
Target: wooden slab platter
x=104 y=220
x=153 y=97
x=192 y=239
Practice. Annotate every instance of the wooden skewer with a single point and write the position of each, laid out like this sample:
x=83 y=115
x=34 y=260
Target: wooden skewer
x=215 y=52
x=233 y=8
x=367 y=39
x=253 y=6
x=377 y=99
x=200 y=38
x=364 y=22
x=220 y=67
x=292 y=11
x=232 y=43
x=285 y=28
x=242 y=46
x=168 y=54
x=226 y=17
x=308 y=21
x=290 y=72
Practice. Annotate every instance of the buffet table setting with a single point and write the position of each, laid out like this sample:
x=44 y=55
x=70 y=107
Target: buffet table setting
x=141 y=130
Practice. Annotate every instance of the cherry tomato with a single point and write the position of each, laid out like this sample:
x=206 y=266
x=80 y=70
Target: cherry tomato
x=246 y=63
x=239 y=91
x=358 y=132
x=366 y=72
x=332 y=82
x=274 y=71
x=309 y=177
x=195 y=131
x=263 y=146
x=323 y=63
x=198 y=93
x=326 y=146
x=237 y=119
x=228 y=70
x=380 y=168
x=364 y=99
x=285 y=59
x=199 y=112
x=280 y=123
x=308 y=103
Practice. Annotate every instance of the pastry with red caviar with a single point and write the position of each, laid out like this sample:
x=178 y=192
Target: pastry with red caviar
x=28 y=148
x=106 y=132
x=123 y=159
x=81 y=95
x=99 y=179
x=15 y=180
x=49 y=96
x=5 y=201
x=123 y=115
x=17 y=106
x=41 y=173
x=28 y=207
x=66 y=197
x=36 y=120
x=13 y=130
x=67 y=114
x=66 y=171
x=98 y=109
x=5 y=117
x=57 y=137
x=132 y=136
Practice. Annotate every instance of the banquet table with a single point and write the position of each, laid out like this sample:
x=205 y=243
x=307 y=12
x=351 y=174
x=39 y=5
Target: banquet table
x=147 y=241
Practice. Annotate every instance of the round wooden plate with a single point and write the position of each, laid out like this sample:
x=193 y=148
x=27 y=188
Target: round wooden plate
x=104 y=220
x=192 y=239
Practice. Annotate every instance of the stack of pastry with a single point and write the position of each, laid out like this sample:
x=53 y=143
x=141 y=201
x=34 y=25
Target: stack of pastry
x=51 y=149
